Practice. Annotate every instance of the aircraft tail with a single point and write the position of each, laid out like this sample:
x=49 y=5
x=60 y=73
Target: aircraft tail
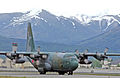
x=30 y=47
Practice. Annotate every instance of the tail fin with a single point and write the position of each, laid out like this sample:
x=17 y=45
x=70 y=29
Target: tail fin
x=30 y=47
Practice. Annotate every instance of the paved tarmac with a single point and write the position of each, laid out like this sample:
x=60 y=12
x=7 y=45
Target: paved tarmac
x=34 y=74
x=57 y=76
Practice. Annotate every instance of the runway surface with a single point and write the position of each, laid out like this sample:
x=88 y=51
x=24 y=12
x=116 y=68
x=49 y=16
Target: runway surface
x=34 y=74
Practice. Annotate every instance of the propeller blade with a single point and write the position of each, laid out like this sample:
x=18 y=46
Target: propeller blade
x=86 y=51
x=13 y=61
x=106 y=50
x=76 y=51
x=38 y=49
x=97 y=53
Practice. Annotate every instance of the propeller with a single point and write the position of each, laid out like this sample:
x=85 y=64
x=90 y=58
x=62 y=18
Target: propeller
x=16 y=58
x=86 y=51
x=83 y=59
x=101 y=57
x=106 y=50
x=77 y=52
x=38 y=56
x=38 y=49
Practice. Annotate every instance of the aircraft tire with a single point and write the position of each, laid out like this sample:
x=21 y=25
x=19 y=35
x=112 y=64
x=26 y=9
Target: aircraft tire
x=70 y=73
x=43 y=72
x=61 y=73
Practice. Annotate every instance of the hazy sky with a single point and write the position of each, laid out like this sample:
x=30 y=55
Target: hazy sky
x=63 y=7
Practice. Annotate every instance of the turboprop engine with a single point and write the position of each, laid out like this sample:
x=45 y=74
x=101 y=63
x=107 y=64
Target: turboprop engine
x=83 y=59
x=16 y=58
x=101 y=56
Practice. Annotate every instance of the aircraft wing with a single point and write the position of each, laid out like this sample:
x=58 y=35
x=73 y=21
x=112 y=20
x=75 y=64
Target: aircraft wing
x=99 y=56
x=21 y=52
x=8 y=52
x=3 y=52
x=113 y=54
x=108 y=54
x=33 y=55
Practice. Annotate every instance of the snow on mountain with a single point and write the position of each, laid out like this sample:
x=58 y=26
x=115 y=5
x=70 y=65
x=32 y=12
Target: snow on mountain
x=58 y=18
x=54 y=28
x=118 y=15
x=86 y=20
x=82 y=19
x=26 y=17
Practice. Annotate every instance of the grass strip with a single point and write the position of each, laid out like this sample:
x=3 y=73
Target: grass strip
x=97 y=74
x=11 y=77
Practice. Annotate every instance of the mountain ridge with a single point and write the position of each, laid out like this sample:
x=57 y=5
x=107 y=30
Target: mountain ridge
x=47 y=23
x=50 y=28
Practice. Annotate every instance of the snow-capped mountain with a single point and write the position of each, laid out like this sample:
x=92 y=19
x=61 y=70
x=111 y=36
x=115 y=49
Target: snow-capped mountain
x=57 y=29
x=106 y=20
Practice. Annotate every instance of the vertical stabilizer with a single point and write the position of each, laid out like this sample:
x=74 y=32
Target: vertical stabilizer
x=30 y=47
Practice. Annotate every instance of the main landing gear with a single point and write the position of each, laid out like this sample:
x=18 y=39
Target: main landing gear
x=69 y=73
x=43 y=72
x=61 y=73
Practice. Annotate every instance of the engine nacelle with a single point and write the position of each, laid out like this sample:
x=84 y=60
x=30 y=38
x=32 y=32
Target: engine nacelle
x=11 y=56
x=39 y=56
x=85 y=61
x=15 y=58
x=18 y=61
x=100 y=57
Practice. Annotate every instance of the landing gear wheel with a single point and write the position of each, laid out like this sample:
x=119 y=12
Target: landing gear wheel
x=70 y=73
x=43 y=72
x=61 y=73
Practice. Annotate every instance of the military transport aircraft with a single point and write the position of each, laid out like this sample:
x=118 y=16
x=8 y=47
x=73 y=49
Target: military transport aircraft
x=51 y=61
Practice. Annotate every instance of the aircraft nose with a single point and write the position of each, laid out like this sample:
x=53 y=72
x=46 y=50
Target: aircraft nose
x=74 y=65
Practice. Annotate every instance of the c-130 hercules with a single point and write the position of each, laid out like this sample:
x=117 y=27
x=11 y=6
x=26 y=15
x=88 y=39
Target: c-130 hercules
x=51 y=61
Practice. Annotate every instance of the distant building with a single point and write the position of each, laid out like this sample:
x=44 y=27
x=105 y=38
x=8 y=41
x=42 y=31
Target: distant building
x=106 y=64
x=7 y=63
x=84 y=65
x=1 y=61
x=115 y=64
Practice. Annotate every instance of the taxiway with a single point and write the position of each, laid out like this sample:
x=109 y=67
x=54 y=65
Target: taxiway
x=79 y=73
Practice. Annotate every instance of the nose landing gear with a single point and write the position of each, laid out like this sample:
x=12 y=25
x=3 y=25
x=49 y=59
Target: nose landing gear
x=70 y=73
